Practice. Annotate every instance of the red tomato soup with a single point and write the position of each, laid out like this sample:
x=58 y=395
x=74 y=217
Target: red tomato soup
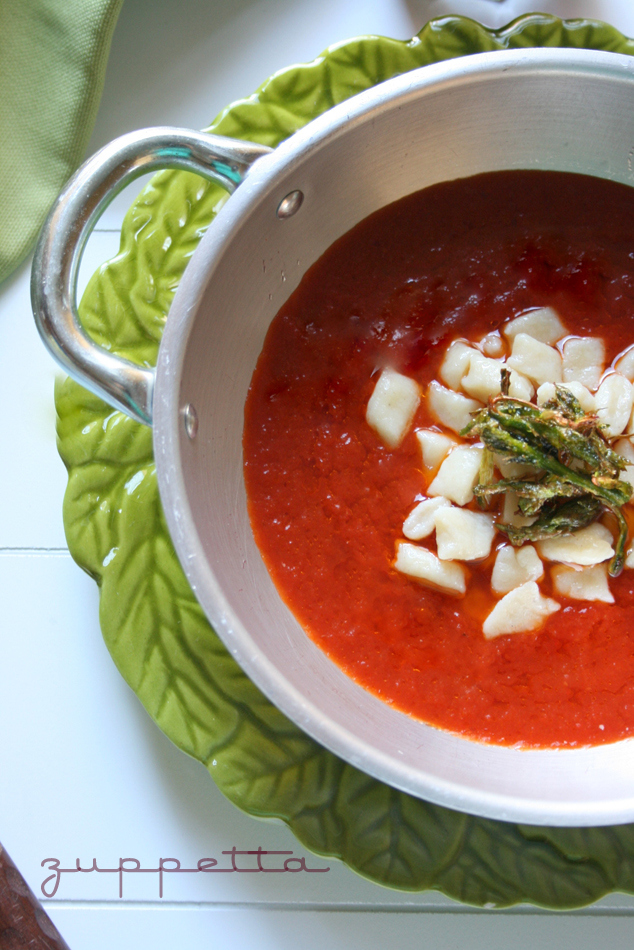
x=327 y=498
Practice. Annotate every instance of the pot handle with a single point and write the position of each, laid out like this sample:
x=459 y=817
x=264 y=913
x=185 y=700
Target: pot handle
x=125 y=385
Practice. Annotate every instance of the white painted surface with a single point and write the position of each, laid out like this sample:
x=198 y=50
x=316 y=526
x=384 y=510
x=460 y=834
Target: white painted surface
x=85 y=773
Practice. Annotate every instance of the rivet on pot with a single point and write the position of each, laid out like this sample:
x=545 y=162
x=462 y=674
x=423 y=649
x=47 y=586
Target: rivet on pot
x=289 y=205
x=190 y=418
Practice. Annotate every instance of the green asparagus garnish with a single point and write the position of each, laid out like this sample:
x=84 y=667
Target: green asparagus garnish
x=577 y=472
x=561 y=519
x=532 y=496
x=486 y=478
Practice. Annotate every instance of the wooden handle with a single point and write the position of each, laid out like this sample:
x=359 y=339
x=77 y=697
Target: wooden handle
x=24 y=925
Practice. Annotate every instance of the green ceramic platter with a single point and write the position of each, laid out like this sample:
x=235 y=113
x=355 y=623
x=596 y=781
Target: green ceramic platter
x=151 y=622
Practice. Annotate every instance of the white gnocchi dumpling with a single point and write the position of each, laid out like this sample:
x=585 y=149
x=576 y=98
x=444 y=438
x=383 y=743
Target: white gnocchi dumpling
x=451 y=409
x=458 y=474
x=514 y=567
x=584 y=361
x=537 y=360
x=484 y=380
x=582 y=394
x=421 y=521
x=511 y=513
x=427 y=569
x=586 y=583
x=521 y=610
x=625 y=364
x=463 y=535
x=625 y=448
x=434 y=446
x=543 y=324
x=584 y=397
x=587 y=546
x=456 y=363
x=492 y=344
x=613 y=402
x=392 y=406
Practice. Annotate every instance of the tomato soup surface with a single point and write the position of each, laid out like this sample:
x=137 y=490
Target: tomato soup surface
x=327 y=499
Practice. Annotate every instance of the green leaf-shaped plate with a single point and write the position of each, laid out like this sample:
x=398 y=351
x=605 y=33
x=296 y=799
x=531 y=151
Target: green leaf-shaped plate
x=151 y=622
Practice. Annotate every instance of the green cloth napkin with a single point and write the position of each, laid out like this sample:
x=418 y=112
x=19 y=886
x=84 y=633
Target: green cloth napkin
x=53 y=56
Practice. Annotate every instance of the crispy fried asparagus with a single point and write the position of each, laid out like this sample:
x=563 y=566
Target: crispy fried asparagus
x=577 y=472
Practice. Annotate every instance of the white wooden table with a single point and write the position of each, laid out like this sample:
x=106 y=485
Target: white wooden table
x=85 y=773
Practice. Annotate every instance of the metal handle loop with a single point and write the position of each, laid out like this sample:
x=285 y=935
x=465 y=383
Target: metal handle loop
x=123 y=384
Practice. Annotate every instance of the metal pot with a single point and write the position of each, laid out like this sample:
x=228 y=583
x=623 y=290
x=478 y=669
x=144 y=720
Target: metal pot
x=570 y=110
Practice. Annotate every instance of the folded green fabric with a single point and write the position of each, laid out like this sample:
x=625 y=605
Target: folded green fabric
x=53 y=57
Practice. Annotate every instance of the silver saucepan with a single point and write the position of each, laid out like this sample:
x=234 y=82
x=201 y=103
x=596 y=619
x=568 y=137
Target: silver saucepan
x=569 y=110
